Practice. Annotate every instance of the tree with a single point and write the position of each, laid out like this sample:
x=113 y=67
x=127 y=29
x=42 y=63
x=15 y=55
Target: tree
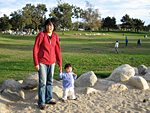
x=138 y=24
x=77 y=14
x=17 y=20
x=92 y=17
x=126 y=22
x=109 y=22
x=146 y=28
x=27 y=13
x=34 y=14
x=62 y=13
x=4 y=23
x=39 y=13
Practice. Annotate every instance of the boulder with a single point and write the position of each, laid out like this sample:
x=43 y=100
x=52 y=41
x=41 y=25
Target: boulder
x=122 y=73
x=89 y=90
x=57 y=93
x=85 y=90
x=138 y=82
x=141 y=69
x=103 y=84
x=11 y=84
x=86 y=80
x=147 y=76
x=136 y=71
x=147 y=70
x=4 y=108
x=117 y=87
x=57 y=83
x=13 y=95
x=20 y=81
x=31 y=81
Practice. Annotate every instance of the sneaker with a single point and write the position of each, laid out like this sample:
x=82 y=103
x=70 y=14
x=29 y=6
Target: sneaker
x=51 y=102
x=63 y=100
x=75 y=99
x=42 y=107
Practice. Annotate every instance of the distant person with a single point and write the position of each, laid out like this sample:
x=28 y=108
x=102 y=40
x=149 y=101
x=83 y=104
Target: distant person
x=116 y=46
x=126 y=41
x=146 y=36
x=68 y=82
x=139 y=42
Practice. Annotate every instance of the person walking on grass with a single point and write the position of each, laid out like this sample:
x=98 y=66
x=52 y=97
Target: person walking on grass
x=116 y=46
x=126 y=41
x=139 y=42
x=46 y=52
x=68 y=82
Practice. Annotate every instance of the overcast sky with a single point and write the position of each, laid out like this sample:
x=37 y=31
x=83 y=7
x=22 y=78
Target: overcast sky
x=139 y=9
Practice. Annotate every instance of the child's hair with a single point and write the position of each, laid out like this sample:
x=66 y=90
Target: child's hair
x=116 y=41
x=68 y=65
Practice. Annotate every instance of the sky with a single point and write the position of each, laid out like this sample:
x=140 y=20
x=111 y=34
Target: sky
x=139 y=9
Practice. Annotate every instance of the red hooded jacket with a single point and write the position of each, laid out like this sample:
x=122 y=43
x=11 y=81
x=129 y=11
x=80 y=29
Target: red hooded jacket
x=47 y=50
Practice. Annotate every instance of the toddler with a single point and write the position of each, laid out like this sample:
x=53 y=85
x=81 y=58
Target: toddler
x=68 y=82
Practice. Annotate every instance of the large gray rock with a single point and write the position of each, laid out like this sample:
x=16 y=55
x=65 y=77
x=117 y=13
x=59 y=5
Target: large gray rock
x=122 y=73
x=147 y=76
x=86 y=80
x=4 y=108
x=57 y=83
x=141 y=69
x=11 y=84
x=117 y=87
x=31 y=81
x=138 y=82
x=90 y=90
x=85 y=90
x=147 y=70
x=57 y=93
x=136 y=71
x=13 y=95
x=103 y=84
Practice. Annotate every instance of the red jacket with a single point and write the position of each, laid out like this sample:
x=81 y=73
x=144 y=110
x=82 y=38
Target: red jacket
x=47 y=50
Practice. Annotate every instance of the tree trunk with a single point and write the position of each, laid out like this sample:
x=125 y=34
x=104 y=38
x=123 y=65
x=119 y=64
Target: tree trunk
x=108 y=29
x=36 y=28
x=63 y=32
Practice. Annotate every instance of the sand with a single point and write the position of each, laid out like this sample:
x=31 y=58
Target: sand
x=129 y=101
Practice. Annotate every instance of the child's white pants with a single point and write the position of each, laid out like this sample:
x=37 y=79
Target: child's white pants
x=69 y=90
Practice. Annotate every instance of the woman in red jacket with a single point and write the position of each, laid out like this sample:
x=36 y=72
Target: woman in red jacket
x=46 y=52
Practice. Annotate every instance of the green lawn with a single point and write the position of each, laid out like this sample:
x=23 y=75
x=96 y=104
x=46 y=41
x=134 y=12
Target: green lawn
x=86 y=53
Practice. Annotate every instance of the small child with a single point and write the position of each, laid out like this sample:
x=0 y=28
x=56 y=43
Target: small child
x=68 y=82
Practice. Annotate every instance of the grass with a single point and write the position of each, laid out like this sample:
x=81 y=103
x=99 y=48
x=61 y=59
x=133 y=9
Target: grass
x=86 y=53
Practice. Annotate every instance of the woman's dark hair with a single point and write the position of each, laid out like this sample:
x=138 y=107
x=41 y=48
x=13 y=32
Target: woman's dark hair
x=68 y=65
x=50 y=20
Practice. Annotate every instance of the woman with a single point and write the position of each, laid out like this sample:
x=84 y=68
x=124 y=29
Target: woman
x=45 y=53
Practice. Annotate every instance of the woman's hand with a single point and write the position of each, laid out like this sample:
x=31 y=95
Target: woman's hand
x=60 y=69
x=37 y=67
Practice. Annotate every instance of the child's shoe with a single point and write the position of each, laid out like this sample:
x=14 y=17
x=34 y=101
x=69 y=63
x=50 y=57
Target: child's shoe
x=63 y=100
x=75 y=99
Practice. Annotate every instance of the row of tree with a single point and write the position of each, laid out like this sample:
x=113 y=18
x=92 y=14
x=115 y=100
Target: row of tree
x=127 y=24
x=33 y=17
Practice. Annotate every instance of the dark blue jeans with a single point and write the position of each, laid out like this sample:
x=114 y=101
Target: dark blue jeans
x=45 y=91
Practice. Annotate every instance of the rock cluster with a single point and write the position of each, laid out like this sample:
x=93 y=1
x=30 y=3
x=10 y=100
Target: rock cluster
x=91 y=34
x=121 y=79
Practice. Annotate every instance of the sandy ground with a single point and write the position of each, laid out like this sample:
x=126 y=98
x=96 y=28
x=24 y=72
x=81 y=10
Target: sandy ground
x=128 y=101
